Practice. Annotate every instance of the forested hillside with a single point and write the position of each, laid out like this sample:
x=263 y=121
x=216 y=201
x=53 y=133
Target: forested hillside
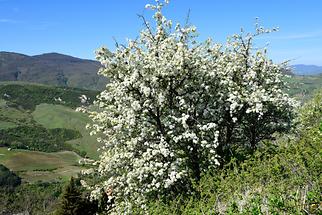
x=51 y=69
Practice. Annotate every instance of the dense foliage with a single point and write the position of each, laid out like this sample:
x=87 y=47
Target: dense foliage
x=73 y=202
x=282 y=177
x=38 y=138
x=28 y=96
x=176 y=108
x=8 y=179
x=38 y=198
x=311 y=114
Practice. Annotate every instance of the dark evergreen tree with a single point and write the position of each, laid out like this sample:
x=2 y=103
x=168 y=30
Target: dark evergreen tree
x=74 y=203
x=8 y=179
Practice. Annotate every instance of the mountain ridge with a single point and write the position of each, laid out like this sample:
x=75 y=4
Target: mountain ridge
x=306 y=69
x=68 y=71
x=52 y=69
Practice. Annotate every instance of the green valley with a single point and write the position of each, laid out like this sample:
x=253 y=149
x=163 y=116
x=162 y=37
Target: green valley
x=302 y=87
x=42 y=137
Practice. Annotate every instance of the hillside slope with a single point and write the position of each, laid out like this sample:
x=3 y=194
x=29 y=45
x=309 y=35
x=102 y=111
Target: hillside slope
x=302 y=87
x=52 y=69
x=42 y=137
x=22 y=120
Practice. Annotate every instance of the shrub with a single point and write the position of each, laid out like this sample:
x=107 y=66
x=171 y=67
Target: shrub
x=175 y=108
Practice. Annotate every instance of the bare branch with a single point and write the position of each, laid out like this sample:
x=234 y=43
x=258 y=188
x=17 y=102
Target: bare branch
x=146 y=25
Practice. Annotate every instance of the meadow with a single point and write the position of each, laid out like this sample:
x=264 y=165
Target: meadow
x=35 y=166
x=58 y=116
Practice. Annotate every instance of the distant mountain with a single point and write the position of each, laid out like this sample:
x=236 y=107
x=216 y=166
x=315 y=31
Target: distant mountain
x=52 y=69
x=302 y=69
x=63 y=70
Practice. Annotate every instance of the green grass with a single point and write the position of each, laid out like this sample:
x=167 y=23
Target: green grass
x=4 y=83
x=6 y=125
x=11 y=117
x=58 y=116
x=34 y=166
x=26 y=117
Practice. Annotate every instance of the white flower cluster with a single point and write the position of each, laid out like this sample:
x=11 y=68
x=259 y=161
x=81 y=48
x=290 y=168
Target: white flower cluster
x=171 y=102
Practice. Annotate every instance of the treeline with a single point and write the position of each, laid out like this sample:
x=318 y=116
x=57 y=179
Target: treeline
x=37 y=198
x=38 y=138
x=28 y=96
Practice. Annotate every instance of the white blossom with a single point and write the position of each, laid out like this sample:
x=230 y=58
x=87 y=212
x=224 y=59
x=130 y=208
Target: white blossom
x=171 y=101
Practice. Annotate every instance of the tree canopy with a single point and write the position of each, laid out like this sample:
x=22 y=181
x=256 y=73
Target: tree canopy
x=8 y=179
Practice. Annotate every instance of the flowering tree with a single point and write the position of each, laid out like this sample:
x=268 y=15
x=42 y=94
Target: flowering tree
x=174 y=105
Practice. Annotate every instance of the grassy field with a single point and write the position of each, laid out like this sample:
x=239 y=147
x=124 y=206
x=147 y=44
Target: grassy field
x=34 y=166
x=58 y=116
x=12 y=117
x=4 y=83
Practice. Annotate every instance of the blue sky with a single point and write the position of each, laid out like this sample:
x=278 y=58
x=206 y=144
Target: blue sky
x=78 y=27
